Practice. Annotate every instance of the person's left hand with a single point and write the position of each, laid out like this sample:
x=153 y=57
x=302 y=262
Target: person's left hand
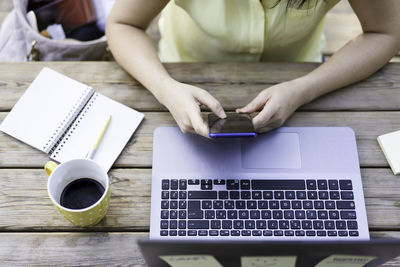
x=278 y=102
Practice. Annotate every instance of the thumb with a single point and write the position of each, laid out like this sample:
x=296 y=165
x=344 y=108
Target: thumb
x=208 y=100
x=254 y=104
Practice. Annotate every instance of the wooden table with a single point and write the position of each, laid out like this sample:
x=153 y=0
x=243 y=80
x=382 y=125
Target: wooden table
x=32 y=232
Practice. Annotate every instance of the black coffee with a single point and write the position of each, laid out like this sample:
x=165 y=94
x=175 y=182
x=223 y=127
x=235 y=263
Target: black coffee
x=81 y=193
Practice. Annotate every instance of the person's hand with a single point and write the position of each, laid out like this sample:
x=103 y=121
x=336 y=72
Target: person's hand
x=184 y=102
x=278 y=102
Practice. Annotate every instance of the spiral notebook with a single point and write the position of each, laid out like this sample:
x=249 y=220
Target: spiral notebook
x=62 y=117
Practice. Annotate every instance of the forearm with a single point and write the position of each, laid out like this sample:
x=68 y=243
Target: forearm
x=135 y=52
x=357 y=60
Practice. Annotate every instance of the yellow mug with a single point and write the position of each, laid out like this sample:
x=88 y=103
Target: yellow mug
x=69 y=171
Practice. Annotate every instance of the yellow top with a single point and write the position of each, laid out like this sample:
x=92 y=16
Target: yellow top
x=242 y=30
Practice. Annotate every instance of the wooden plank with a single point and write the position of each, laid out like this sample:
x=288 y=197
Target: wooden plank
x=95 y=249
x=25 y=206
x=243 y=81
x=138 y=153
x=6 y=5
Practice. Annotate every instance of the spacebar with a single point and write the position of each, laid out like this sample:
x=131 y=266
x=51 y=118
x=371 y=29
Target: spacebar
x=202 y=195
x=278 y=184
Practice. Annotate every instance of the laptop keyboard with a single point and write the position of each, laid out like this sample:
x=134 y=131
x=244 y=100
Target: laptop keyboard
x=236 y=207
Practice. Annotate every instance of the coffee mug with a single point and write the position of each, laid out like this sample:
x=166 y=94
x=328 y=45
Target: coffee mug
x=63 y=175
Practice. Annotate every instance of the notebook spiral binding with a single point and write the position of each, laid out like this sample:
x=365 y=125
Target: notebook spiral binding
x=66 y=124
x=74 y=125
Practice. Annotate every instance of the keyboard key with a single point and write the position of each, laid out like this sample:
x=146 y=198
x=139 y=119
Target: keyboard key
x=182 y=204
x=352 y=225
x=334 y=195
x=323 y=195
x=256 y=194
x=164 y=184
x=164 y=194
x=235 y=233
x=206 y=181
x=300 y=214
x=340 y=225
x=262 y=204
x=173 y=214
x=277 y=184
x=307 y=204
x=223 y=194
x=164 y=233
x=174 y=184
x=198 y=214
x=261 y=224
x=229 y=204
x=232 y=184
x=245 y=184
x=311 y=184
x=267 y=233
x=347 y=195
x=246 y=233
x=206 y=187
x=173 y=224
x=220 y=214
x=283 y=224
x=321 y=233
x=243 y=214
x=300 y=233
x=224 y=233
x=219 y=181
x=240 y=204
x=213 y=233
x=332 y=233
x=226 y=224
x=329 y=204
x=278 y=195
x=218 y=204
x=322 y=214
x=273 y=204
x=345 y=205
x=249 y=224
x=306 y=225
x=206 y=204
x=333 y=214
x=333 y=184
x=272 y=224
x=245 y=194
x=353 y=233
x=329 y=224
x=173 y=204
x=173 y=232
x=296 y=204
x=256 y=233
x=342 y=233
x=312 y=195
x=254 y=214
x=295 y=224
x=237 y=224
x=285 y=204
x=192 y=233
x=290 y=195
x=288 y=214
x=348 y=215
x=301 y=194
x=318 y=224
x=202 y=194
x=322 y=184
x=182 y=214
x=164 y=214
x=182 y=224
x=232 y=214
x=209 y=214
x=277 y=214
x=318 y=204
x=182 y=184
x=266 y=214
x=182 y=194
x=345 y=185
x=251 y=204
x=164 y=224
x=165 y=204
x=311 y=214
x=198 y=224
x=268 y=195
x=310 y=233
x=182 y=233
x=234 y=194
x=215 y=224
x=193 y=181
x=278 y=233
x=289 y=233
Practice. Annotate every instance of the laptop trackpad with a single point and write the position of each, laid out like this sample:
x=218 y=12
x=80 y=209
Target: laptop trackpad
x=271 y=151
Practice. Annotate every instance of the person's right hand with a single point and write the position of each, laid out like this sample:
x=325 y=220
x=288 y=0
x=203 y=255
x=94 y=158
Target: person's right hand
x=184 y=102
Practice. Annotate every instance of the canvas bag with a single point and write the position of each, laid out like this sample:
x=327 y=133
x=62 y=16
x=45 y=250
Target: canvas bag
x=18 y=40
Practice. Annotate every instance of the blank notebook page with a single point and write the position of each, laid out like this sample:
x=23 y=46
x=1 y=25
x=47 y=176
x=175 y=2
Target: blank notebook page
x=46 y=109
x=84 y=131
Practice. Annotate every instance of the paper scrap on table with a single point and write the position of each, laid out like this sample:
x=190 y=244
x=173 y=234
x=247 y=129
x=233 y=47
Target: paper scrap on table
x=278 y=261
x=191 y=261
x=345 y=261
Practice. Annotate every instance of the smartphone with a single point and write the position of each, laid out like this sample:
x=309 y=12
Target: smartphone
x=234 y=125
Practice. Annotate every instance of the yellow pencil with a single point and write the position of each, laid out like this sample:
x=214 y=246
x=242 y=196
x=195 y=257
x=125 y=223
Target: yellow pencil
x=92 y=151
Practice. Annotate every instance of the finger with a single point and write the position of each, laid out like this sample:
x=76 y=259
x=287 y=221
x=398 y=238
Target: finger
x=264 y=116
x=198 y=124
x=254 y=104
x=265 y=129
x=208 y=100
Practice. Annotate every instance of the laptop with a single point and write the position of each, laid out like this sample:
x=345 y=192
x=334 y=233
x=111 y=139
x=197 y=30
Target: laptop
x=290 y=184
x=266 y=253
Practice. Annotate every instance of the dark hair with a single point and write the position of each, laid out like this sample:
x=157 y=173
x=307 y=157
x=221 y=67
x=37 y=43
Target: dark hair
x=294 y=3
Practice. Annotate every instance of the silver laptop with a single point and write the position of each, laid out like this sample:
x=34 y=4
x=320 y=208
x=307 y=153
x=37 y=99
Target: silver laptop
x=294 y=183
